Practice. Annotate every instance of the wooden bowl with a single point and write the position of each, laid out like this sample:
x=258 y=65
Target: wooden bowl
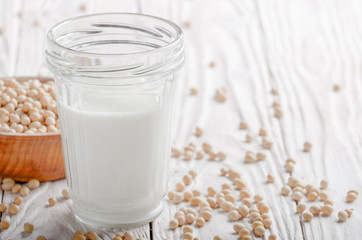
x=27 y=156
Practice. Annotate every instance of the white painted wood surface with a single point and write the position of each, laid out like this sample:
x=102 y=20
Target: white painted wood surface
x=301 y=48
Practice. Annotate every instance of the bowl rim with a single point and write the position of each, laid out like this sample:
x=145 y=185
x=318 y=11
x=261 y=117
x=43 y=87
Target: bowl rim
x=24 y=78
x=27 y=134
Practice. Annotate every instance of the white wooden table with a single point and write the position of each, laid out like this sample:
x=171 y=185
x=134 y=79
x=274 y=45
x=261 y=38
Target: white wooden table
x=301 y=48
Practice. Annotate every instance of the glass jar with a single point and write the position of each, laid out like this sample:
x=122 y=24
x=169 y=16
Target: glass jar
x=114 y=75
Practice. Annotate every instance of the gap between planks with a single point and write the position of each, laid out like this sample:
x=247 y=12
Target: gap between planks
x=151 y=232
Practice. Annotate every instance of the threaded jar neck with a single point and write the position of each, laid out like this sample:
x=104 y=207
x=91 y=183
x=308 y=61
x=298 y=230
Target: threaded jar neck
x=114 y=48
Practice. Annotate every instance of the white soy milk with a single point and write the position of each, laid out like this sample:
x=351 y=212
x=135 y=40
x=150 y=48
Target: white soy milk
x=116 y=153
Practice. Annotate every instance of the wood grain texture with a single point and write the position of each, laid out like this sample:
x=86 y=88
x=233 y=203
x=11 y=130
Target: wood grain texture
x=317 y=52
x=301 y=48
x=241 y=68
x=26 y=157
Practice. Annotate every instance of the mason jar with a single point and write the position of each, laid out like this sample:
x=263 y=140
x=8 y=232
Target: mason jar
x=115 y=76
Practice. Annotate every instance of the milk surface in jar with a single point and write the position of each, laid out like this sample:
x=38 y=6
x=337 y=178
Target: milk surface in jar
x=115 y=76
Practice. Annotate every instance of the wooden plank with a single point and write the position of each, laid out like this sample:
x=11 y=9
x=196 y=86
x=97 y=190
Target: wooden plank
x=289 y=59
x=308 y=56
x=242 y=68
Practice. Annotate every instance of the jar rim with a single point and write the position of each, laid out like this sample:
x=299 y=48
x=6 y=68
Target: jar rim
x=74 y=48
x=175 y=41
